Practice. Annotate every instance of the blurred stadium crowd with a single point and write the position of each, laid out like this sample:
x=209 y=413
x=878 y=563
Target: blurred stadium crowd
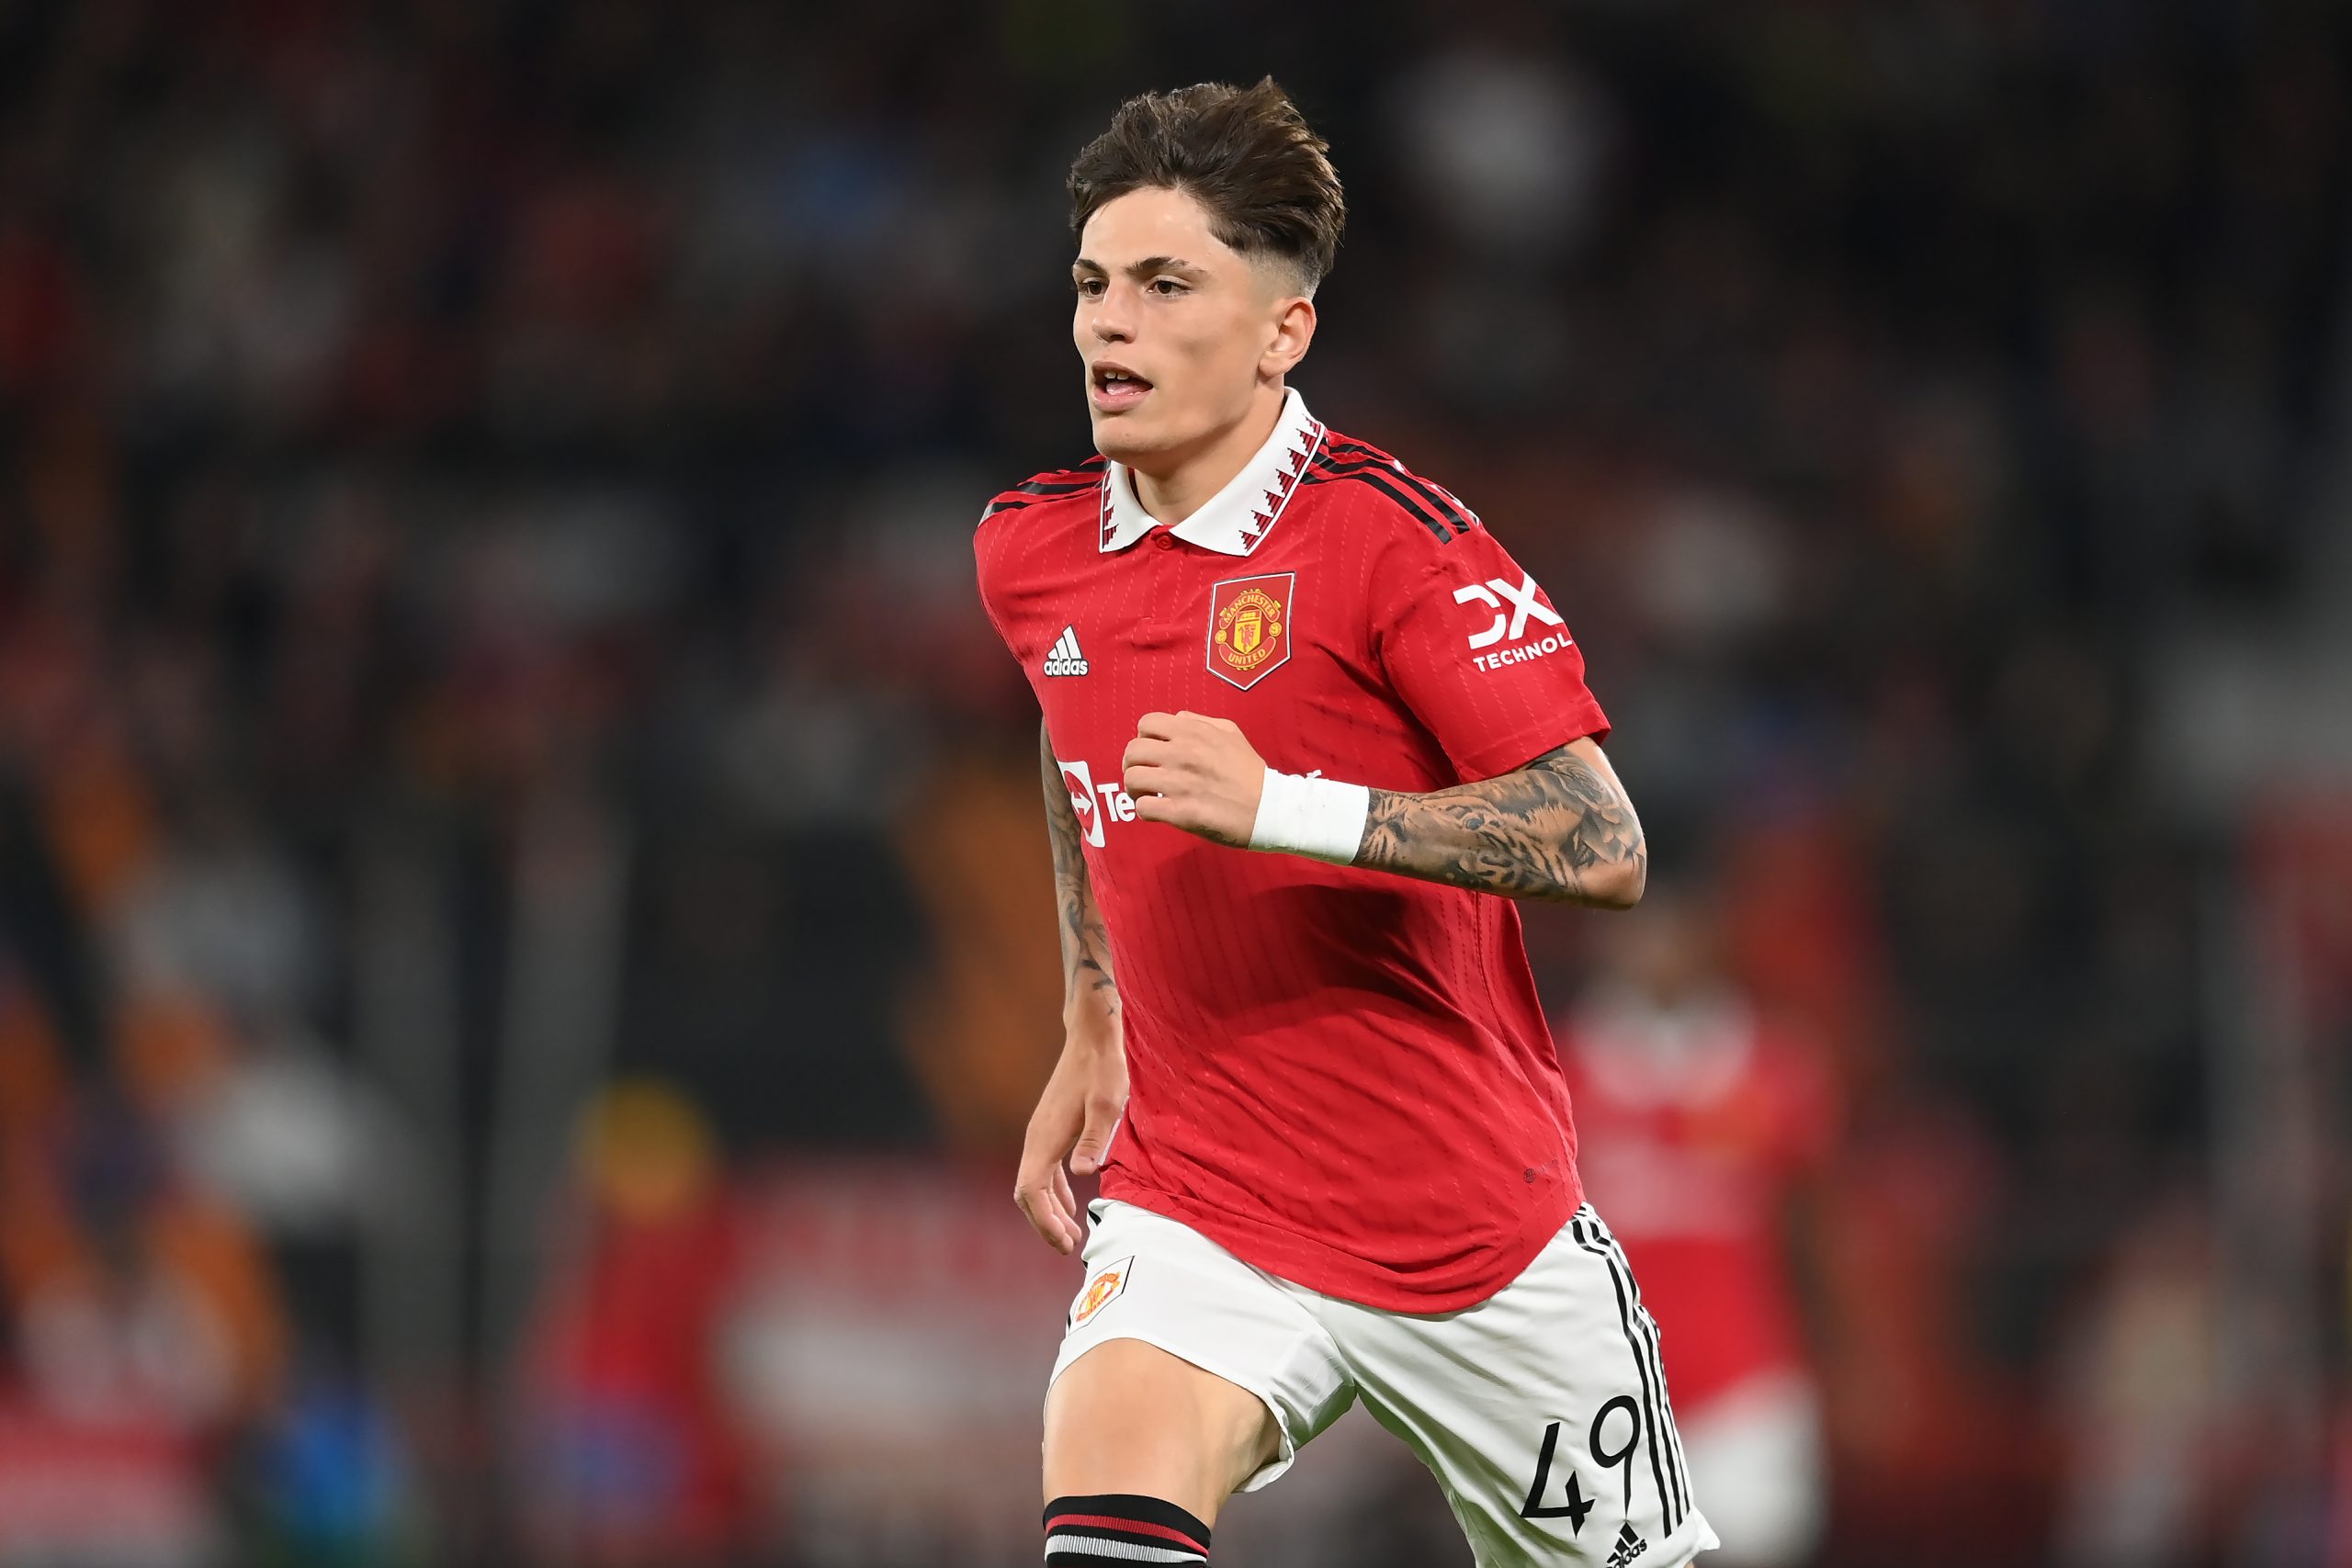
x=512 y=820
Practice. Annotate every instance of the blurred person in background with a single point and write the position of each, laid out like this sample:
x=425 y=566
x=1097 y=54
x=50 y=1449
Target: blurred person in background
x=1699 y=1130
x=1335 y=1143
x=629 y=1453
x=150 y=1345
x=2154 y=1457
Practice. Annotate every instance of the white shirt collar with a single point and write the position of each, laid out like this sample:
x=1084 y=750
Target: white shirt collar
x=1234 y=520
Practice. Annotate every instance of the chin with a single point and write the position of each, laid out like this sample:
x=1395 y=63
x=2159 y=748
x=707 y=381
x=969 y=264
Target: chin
x=1122 y=441
x=1138 y=443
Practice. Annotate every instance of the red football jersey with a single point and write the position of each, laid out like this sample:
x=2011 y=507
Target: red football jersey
x=1343 y=1077
x=1698 y=1125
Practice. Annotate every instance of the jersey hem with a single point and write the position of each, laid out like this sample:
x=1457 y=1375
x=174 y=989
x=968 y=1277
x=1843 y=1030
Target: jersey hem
x=1301 y=1261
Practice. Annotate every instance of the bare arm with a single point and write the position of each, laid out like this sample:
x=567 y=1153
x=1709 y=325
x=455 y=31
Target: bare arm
x=1090 y=994
x=1087 y=1091
x=1559 y=828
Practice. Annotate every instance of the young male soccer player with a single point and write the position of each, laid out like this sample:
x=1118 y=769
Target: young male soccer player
x=1302 y=719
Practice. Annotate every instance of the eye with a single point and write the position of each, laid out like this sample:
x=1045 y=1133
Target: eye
x=1089 y=287
x=1167 y=285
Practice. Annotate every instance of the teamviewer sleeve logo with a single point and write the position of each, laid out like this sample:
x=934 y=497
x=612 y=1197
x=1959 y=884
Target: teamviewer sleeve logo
x=1524 y=608
x=1079 y=781
x=1514 y=609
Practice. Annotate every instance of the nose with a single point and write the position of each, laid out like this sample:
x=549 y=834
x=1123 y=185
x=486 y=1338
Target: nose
x=1114 y=320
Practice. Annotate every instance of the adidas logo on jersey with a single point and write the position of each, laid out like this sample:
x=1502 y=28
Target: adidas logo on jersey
x=1063 y=657
x=1629 y=1546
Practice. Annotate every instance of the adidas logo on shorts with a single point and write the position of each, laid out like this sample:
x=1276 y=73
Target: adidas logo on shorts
x=1629 y=1546
x=1063 y=657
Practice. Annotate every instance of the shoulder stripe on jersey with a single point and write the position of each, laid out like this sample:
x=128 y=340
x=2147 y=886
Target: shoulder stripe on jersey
x=1378 y=479
x=1354 y=452
x=1430 y=493
x=1405 y=476
x=1348 y=450
x=1043 y=488
x=1436 y=496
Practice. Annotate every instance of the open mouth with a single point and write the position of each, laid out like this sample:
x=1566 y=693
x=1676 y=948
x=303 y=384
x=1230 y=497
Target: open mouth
x=1114 y=387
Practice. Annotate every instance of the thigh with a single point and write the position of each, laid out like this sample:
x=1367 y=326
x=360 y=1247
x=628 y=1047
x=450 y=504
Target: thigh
x=1542 y=1411
x=1128 y=1416
x=1185 y=1374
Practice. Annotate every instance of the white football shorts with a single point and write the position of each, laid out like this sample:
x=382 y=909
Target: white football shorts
x=1541 y=1410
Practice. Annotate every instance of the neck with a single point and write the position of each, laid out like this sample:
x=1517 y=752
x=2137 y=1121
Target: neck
x=1177 y=491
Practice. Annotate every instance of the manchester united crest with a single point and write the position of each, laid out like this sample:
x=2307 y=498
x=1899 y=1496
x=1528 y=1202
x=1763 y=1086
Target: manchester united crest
x=1100 y=1290
x=1249 y=626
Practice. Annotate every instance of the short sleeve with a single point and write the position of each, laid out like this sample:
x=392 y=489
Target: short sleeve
x=1482 y=658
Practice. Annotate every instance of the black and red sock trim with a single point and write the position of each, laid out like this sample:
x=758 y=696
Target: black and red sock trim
x=1112 y=1527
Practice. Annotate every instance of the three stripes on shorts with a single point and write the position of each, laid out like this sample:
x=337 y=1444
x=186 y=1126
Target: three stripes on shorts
x=1670 y=1474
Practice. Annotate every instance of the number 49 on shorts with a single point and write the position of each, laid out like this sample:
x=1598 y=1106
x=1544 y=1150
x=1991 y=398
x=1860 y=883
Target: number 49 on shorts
x=1575 y=1505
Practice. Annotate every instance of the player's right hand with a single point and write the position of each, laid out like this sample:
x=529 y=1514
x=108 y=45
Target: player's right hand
x=1073 y=1121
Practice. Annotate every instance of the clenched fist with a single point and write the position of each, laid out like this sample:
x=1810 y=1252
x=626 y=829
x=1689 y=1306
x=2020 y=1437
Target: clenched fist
x=1196 y=772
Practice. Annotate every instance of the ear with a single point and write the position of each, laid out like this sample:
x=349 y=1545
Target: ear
x=1294 y=330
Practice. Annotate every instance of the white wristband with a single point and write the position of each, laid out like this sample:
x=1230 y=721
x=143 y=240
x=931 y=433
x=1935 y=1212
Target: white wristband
x=1319 y=818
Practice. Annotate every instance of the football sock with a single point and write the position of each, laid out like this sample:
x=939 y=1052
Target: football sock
x=1089 y=1532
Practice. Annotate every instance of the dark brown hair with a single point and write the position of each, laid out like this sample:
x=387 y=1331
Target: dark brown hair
x=1245 y=154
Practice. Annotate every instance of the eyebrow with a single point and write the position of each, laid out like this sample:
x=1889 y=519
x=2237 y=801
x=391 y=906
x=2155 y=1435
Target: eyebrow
x=1143 y=269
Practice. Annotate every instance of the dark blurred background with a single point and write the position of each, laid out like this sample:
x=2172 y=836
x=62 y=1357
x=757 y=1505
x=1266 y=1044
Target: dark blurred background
x=524 y=935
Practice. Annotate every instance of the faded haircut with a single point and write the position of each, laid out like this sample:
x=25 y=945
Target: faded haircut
x=1245 y=154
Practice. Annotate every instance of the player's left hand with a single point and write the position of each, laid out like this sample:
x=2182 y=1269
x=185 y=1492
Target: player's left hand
x=1196 y=772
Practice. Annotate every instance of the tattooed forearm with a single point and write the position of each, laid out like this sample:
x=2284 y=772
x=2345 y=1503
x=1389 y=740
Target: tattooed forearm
x=1086 y=943
x=1559 y=827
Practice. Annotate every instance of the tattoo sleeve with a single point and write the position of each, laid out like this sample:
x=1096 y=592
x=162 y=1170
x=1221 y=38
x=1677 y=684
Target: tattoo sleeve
x=1086 y=982
x=1559 y=827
